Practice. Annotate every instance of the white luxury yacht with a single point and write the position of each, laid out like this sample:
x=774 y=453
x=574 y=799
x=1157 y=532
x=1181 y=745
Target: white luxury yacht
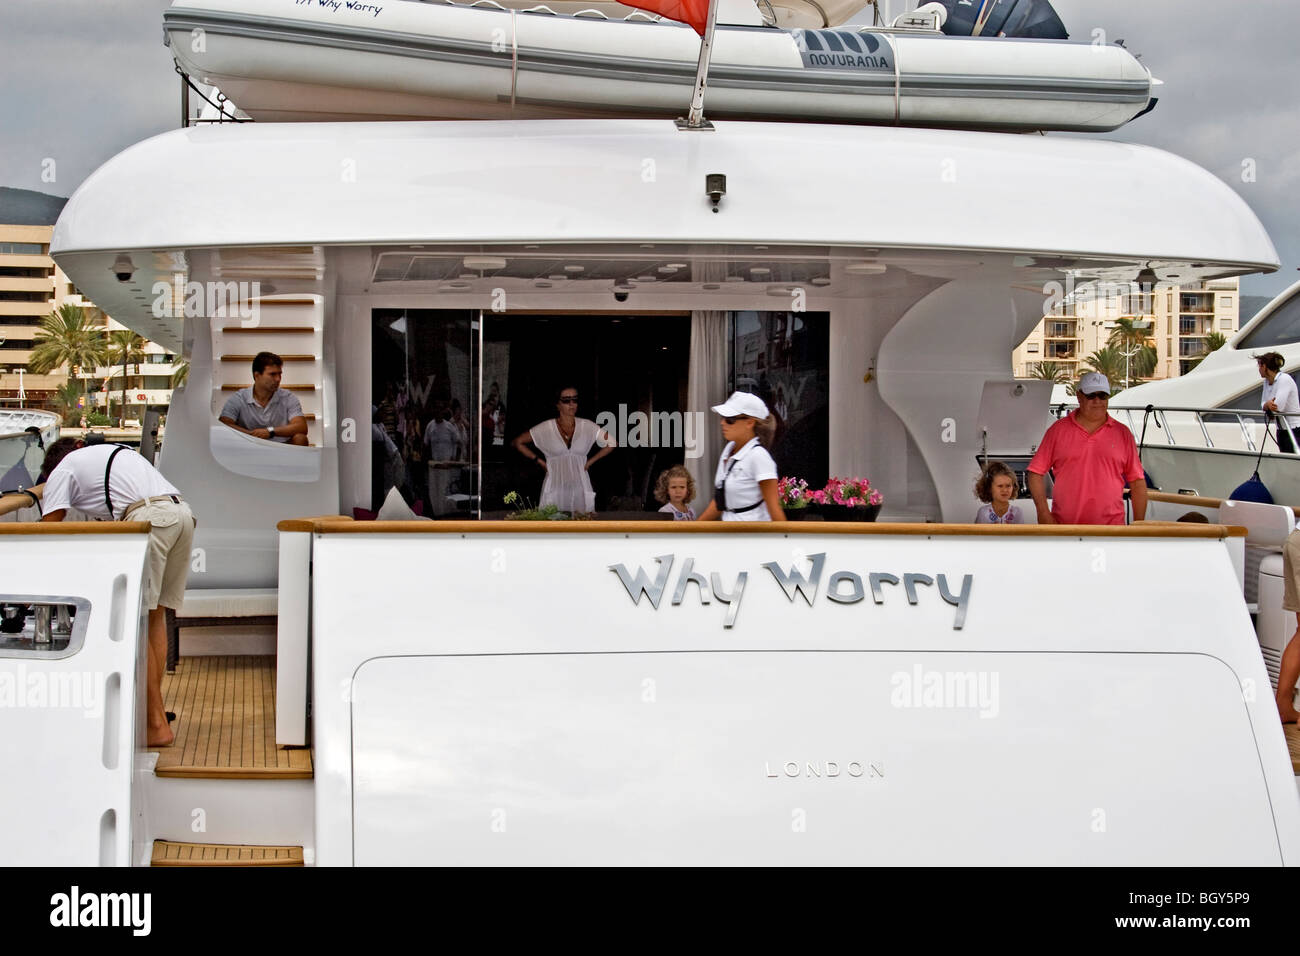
x=474 y=690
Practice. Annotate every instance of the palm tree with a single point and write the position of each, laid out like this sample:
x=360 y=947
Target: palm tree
x=1213 y=342
x=1125 y=335
x=127 y=348
x=1109 y=362
x=180 y=372
x=65 y=400
x=1144 y=362
x=1050 y=372
x=67 y=337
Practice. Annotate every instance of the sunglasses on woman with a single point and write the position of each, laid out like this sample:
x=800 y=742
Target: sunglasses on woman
x=569 y=400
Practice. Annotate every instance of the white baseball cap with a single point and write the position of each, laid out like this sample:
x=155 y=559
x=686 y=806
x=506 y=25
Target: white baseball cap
x=742 y=403
x=1093 y=382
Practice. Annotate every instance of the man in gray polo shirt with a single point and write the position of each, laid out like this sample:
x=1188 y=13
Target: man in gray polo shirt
x=266 y=410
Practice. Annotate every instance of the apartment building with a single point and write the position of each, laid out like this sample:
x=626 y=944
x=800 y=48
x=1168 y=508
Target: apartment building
x=1179 y=321
x=31 y=287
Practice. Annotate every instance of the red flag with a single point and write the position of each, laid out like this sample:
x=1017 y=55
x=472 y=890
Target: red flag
x=693 y=12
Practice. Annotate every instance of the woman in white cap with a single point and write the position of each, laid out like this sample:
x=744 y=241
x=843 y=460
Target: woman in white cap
x=744 y=488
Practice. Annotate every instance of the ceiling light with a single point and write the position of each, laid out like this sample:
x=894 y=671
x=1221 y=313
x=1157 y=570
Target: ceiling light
x=759 y=270
x=865 y=268
x=575 y=268
x=821 y=280
x=484 y=262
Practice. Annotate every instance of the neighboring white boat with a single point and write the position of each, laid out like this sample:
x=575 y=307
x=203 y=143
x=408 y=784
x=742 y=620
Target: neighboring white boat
x=406 y=60
x=24 y=433
x=1206 y=429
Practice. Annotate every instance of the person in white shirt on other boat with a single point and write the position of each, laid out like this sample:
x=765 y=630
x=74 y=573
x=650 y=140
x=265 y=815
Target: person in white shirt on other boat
x=745 y=487
x=1281 y=398
x=114 y=483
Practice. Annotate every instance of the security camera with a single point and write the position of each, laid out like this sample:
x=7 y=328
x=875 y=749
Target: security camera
x=123 y=268
x=715 y=184
x=620 y=296
x=621 y=289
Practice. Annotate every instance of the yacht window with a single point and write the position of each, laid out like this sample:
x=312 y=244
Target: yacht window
x=1279 y=328
x=784 y=358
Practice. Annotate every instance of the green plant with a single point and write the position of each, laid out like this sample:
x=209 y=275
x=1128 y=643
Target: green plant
x=98 y=419
x=1050 y=372
x=67 y=336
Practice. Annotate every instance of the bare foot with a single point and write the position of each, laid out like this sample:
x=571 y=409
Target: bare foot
x=1289 y=714
x=163 y=737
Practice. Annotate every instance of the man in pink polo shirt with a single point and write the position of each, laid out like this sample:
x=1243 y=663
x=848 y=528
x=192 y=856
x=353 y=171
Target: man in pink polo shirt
x=1090 y=456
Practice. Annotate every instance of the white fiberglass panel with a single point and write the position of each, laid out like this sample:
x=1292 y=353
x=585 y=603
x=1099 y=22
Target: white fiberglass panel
x=69 y=723
x=570 y=676
x=817 y=758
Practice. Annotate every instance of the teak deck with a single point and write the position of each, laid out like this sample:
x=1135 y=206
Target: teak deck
x=225 y=721
x=166 y=853
x=1293 y=746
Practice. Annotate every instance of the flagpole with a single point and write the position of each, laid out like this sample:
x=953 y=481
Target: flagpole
x=695 y=119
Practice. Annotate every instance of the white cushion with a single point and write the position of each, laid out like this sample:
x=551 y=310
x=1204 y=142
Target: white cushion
x=395 y=508
x=230 y=602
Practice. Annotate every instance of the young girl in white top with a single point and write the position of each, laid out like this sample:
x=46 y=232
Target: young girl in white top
x=997 y=486
x=676 y=488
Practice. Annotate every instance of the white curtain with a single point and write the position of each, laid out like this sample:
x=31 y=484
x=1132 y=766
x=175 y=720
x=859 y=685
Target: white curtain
x=706 y=386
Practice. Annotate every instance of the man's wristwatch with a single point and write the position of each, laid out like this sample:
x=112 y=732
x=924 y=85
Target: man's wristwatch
x=270 y=431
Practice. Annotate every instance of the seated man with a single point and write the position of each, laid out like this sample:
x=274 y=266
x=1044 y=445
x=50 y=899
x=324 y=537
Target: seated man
x=266 y=410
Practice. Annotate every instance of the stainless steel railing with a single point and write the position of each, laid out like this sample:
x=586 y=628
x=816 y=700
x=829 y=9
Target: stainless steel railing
x=1230 y=429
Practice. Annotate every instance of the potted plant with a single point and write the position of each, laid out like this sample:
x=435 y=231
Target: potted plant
x=848 y=499
x=795 y=500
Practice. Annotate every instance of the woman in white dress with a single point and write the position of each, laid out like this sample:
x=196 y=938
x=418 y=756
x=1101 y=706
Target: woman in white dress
x=564 y=442
x=745 y=487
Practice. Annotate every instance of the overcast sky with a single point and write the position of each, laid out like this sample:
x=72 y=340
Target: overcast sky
x=80 y=80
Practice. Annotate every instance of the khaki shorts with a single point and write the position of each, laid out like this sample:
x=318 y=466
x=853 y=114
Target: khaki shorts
x=1290 y=562
x=171 y=536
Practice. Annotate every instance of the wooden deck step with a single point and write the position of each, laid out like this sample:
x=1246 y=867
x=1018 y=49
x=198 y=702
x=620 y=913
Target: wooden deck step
x=225 y=726
x=1293 y=746
x=167 y=853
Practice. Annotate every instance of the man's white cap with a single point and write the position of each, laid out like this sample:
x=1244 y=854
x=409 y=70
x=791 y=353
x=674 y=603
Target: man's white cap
x=742 y=403
x=1093 y=382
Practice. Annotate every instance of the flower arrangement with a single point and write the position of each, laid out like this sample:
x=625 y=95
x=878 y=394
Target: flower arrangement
x=847 y=492
x=794 y=493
